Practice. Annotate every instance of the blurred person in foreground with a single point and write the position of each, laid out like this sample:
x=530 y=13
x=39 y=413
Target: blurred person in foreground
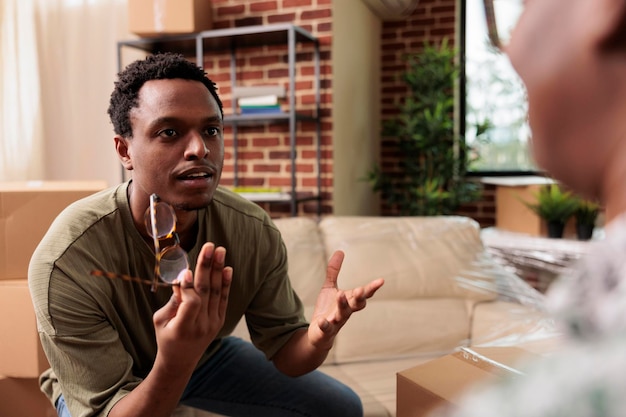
x=571 y=56
x=121 y=345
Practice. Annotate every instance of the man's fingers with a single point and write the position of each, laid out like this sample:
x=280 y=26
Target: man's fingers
x=216 y=283
x=344 y=310
x=333 y=268
x=202 y=281
x=166 y=313
x=370 y=289
x=227 y=279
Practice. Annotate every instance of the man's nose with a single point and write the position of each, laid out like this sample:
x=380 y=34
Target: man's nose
x=196 y=148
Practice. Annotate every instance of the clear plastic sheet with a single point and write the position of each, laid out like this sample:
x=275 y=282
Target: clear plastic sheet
x=516 y=316
x=538 y=259
x=443 y=288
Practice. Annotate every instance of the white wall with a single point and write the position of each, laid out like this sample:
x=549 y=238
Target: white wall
x=356 y=106
x=78 y=64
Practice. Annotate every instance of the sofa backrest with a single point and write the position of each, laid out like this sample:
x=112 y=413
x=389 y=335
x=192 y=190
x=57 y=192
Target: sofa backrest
x=433 y=277
x=306 y=255
x=419 y=257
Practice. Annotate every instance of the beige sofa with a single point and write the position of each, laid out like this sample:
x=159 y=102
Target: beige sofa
x=441 y=291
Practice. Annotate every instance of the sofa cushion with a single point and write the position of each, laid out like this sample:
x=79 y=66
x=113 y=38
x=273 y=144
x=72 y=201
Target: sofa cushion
x=419 y=257
x=502 y=323
x=306 y=256
x=388 y=329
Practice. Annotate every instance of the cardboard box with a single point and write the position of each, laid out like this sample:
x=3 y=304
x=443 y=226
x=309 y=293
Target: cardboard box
x=440 y=382
x=26 y=211
x=169 y=17
x=21 y=354
x=21 y=397
x=511 y=212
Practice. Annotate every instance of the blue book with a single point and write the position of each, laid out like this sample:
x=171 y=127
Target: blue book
x=260 y=110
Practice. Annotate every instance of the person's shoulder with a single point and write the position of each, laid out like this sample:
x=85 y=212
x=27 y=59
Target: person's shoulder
x=90 y=209
x=234 y=205
x=64 y=236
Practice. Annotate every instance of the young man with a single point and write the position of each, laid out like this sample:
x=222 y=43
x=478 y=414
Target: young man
x=119 y=347
x=571 y=55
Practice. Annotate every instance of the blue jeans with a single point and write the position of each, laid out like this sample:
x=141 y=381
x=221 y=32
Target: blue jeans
x=239 y=381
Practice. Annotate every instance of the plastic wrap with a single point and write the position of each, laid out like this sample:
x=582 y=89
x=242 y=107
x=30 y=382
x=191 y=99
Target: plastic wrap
x=536 y=259
x=443 y=288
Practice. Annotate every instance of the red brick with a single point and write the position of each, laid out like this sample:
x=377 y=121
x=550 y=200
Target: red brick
x=266 y=168
x=296 y=3
x=250 y=155
x=280 y=182
x=263 y=60
x=280 y=18
x=265 y=142
x=324 y=27
x=315 y=14
x=263 y=6
x=229 y=10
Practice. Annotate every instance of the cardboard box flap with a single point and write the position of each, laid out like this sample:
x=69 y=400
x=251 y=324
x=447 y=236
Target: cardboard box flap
x=495 y=360
x=443 y=380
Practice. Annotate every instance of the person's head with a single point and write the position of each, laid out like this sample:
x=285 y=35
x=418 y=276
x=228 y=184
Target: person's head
x=155 y=67
x=571 y=56
x=168 y=121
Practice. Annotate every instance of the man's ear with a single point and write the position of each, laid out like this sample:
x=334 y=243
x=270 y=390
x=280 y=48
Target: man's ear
x=609 y=18
x=122 y=149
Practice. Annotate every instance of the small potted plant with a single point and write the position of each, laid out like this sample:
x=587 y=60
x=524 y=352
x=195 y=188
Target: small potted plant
x=586 y=215
x=555 y=206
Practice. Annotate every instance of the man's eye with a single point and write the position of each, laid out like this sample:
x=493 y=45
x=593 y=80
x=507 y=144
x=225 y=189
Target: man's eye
x=212 y=131
x=167 y=133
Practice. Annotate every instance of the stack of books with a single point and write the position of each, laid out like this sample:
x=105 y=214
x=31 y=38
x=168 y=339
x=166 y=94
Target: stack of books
x=259 y=99
x=262 y=193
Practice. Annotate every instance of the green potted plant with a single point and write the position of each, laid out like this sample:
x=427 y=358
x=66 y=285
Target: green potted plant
x=429 y=177
x=556 y=206
x=586 y=215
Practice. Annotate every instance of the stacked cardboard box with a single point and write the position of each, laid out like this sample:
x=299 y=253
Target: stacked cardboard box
x=511 y=212
x=26 y=211
x=168 y=17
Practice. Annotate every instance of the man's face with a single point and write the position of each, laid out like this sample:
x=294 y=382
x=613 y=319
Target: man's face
x=177 y=148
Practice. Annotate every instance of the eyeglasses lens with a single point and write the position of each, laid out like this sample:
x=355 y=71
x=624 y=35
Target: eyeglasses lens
x=165 y=220
x=172 y=259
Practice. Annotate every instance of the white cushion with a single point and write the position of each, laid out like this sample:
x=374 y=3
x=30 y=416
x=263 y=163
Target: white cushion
x=419 y=257
x=306 y=256
x=388 y=329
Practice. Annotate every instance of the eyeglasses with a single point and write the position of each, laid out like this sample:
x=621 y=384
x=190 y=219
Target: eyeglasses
x=502 y=16
x=160 y=221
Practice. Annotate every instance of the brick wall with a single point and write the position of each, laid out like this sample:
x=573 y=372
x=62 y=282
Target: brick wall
x=263 y=150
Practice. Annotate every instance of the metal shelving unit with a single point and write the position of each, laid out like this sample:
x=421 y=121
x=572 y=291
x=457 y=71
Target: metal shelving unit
x=231 y=40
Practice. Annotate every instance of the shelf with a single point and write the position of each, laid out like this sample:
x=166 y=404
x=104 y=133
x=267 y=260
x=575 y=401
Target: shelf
x=276 y=197
x=222 y=39
x=261 y=118
x=266 y=197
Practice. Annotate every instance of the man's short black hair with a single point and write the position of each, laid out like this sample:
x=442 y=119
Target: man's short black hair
x=154 y=67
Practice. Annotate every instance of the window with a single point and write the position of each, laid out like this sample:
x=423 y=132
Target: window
x=494 y=94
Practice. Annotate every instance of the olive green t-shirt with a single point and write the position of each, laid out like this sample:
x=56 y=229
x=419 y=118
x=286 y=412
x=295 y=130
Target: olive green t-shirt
x=98 y=332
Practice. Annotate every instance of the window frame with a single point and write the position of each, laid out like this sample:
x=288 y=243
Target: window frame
x=462 y=102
